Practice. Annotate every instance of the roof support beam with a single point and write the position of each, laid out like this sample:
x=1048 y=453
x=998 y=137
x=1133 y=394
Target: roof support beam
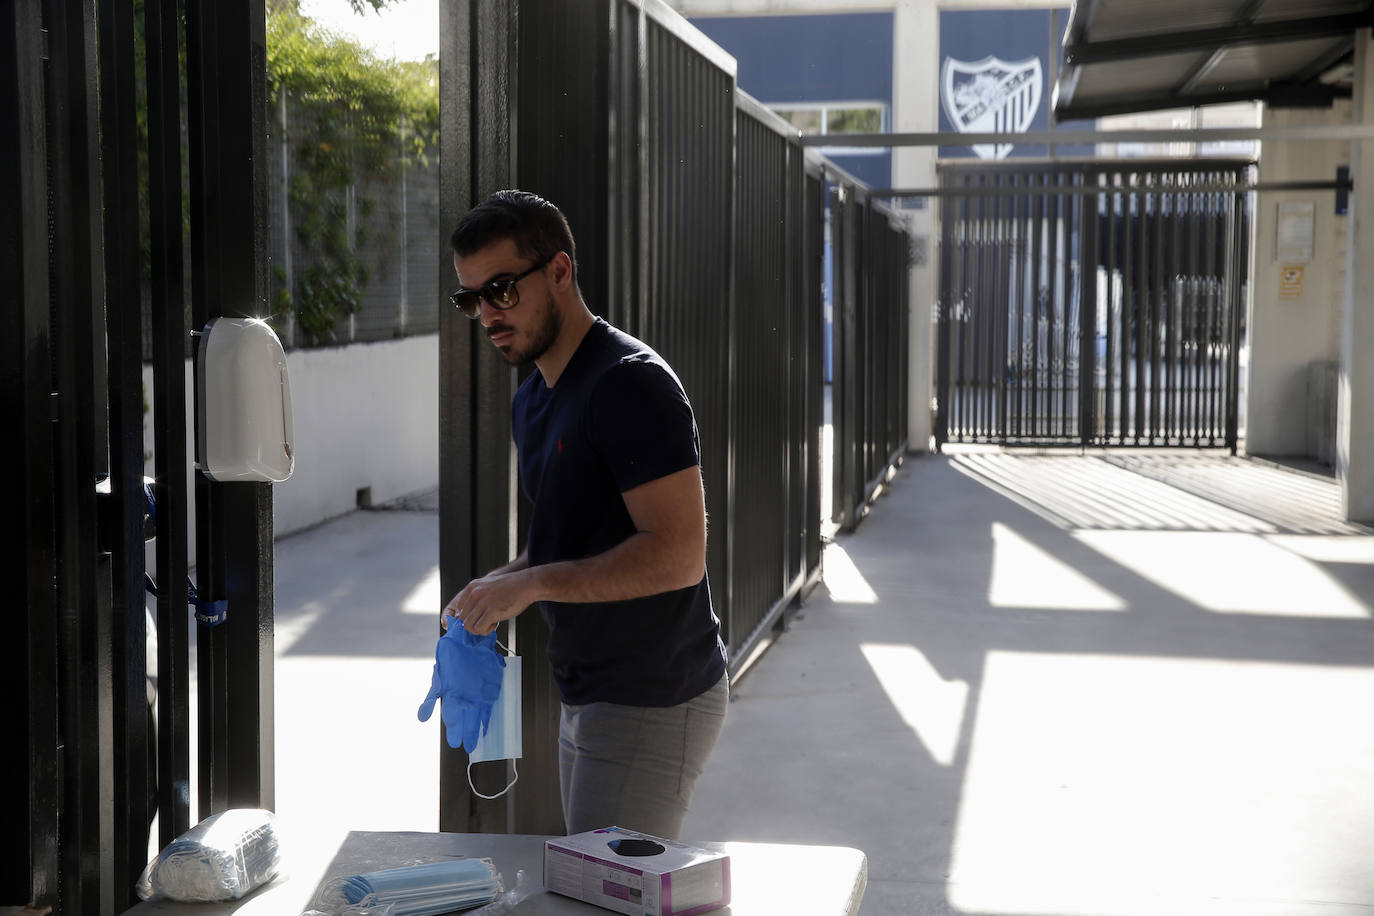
x=1339 y=51
x=1204 y=65
x=1199 y=72
x=1279 y=95
x=1286 y=30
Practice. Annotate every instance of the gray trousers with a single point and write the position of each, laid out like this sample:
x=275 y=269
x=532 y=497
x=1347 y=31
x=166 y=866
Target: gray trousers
x=635 y=766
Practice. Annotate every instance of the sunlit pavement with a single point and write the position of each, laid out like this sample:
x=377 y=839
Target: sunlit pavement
x=1165 y=710
x=357 y=618
x=1030 y=685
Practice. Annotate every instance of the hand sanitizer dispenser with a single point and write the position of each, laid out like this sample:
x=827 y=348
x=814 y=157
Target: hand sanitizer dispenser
x=243 y=403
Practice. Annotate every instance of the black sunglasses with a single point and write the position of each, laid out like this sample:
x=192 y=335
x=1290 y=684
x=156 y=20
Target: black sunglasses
x=499 y=294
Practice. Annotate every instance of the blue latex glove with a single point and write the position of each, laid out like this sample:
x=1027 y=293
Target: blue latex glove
x=467 y=674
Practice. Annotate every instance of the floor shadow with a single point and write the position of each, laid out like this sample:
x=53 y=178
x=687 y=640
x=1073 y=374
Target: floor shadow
x=362 y=585
x=1145 y=750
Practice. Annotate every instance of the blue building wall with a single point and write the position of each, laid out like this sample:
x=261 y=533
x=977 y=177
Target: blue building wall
x=808 y=58
x=815 y=58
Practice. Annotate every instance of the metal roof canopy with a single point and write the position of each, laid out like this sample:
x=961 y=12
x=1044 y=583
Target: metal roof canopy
x=1123 y=56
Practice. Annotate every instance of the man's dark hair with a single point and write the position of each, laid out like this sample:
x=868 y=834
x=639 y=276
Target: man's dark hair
x=538 y=228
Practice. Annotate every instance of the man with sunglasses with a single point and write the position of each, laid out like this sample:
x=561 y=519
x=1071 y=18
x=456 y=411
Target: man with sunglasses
x=616 y=548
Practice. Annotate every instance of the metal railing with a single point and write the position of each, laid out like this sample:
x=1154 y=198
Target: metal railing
x=872 y=258
x=777 y=375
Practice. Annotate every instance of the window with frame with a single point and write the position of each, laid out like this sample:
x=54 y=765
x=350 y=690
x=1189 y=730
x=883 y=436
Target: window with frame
x=828 y=118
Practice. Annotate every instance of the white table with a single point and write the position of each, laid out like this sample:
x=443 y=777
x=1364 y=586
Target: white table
x=766 y=878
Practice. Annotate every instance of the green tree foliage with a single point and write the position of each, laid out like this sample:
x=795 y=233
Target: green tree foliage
x=359 y=6
x=354 y=122
x=359 y=120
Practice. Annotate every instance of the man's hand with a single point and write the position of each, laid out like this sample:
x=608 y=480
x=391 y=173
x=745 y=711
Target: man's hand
x=666 y=552
x=495 y=597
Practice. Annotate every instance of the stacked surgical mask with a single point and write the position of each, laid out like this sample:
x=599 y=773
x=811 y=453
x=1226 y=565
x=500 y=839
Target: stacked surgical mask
x=415 y=890
x=222 y=858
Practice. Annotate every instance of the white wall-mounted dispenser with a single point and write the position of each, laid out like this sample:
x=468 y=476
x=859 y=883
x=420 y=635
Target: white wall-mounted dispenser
x=243 y=403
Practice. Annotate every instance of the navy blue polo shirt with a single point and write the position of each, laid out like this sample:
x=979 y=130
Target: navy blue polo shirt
x=617 y=418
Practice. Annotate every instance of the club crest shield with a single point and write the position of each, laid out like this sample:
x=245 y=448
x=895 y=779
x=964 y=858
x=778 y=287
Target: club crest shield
x=991 y=96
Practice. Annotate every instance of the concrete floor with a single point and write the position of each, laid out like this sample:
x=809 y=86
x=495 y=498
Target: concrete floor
x=1029 y=685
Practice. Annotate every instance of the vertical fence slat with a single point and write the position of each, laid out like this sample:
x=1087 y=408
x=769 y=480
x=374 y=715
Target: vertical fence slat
x=168 y=346
x=83 y=588
x=227 y=139
x=31 y=666
x=124 y=345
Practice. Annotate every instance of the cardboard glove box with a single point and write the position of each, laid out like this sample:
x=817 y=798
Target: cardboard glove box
x=637 y=874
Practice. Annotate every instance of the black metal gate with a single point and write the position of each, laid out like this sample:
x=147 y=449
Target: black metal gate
x=87 y=772
x=1091 y=303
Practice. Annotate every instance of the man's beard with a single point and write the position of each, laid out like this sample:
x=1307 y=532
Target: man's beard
x=545 y=333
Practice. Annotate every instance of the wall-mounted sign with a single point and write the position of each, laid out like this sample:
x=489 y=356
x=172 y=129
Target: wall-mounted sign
x=996 y=75
x=1290 y=281
x=1296 y=230
x=992 y=96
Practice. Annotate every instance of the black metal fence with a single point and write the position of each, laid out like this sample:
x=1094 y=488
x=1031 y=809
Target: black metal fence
x=777 y=387
x=82 y=788
x=1088 y=303
x=871 y=296
x=700 y=224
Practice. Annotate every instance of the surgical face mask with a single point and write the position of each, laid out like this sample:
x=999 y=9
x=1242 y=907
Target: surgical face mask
x=480 y=690
x=502 y=739
x=413 y=890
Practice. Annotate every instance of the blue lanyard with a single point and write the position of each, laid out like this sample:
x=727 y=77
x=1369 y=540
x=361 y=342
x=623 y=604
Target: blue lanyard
x=210 y=613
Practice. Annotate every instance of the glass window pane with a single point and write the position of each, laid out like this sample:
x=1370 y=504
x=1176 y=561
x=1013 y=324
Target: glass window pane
x=854 y=120
x=806 y=120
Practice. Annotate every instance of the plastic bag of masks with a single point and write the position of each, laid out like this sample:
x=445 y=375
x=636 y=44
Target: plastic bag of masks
x=423 y=889
x=223 y=857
